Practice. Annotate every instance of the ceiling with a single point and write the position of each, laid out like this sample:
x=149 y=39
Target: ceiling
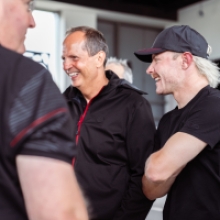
x=163 y=9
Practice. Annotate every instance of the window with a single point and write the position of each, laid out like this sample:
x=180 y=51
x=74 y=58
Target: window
x=41 y=42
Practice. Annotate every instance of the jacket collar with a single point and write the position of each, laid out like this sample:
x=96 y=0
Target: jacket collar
x=114 y=82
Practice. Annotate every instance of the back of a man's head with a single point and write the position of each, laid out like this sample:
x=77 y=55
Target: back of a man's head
x=15 y=18
x=120 y=67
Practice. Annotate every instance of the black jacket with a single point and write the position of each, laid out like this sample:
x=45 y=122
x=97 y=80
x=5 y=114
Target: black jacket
x=115 y=138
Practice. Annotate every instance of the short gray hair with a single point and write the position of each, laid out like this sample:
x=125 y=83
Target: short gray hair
x=94 y=40
x=124 y=63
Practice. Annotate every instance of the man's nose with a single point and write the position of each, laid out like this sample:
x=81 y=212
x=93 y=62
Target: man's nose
x=32 y=23
x=150 y=69
x=66 y=65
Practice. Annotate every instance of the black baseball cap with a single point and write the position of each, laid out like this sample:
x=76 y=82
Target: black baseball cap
x=178 y=38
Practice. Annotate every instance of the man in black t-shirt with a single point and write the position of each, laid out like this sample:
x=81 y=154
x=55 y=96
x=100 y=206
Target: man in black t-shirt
x=186 y=163
x=36 y=147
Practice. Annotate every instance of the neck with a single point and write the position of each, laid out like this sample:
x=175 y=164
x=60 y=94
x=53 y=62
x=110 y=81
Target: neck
x=188 y=91
x=89 y=92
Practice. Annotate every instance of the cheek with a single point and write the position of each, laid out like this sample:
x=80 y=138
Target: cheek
x=19 y=19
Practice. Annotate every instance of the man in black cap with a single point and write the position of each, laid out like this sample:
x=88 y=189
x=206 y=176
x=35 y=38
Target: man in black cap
x=186 y=162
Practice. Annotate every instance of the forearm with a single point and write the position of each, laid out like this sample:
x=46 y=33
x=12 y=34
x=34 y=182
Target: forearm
x=153 y=190
x=79 y=207
x=156 y=181
x=50 y=189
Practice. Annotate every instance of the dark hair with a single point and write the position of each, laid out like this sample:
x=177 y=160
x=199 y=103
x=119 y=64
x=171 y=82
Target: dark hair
x=94 y=41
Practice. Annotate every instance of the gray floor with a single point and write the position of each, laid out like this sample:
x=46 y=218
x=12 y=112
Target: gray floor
x=156 y=211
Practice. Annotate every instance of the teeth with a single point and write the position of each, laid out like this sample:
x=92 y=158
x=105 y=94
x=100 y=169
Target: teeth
x=73 y=74
x=156 y=79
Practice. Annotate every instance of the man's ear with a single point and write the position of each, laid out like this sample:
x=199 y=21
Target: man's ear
x=187 y=60
x=100 y=59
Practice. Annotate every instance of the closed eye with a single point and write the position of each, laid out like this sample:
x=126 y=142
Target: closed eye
x=69 y=57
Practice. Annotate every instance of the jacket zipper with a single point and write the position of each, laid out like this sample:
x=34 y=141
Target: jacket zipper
x=81 y=119
x=79 y=124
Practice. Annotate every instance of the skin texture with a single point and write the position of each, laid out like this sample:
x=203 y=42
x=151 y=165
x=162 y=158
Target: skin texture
x=90 y=73
x=178 y=76
x=50 y=189
x=14 y=28
x=166 y=72
x=163 y=166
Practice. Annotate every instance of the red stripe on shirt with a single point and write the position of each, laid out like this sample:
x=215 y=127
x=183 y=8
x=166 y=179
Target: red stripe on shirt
x=36 y=123
x=82 y=117
x=79 y=124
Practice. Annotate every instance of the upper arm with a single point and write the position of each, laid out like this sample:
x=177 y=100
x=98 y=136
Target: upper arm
x=39 y=120
x=176 y=153
x=50 y=189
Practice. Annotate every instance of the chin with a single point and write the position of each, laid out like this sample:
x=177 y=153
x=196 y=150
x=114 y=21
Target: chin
x=159 y=92
x=75 y=85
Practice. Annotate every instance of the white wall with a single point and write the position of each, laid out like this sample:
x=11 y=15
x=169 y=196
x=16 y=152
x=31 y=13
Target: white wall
x=206 y=24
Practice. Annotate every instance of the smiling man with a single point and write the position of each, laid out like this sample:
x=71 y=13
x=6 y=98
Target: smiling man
x=187 y=144
x=37 y=181
x=114 y=129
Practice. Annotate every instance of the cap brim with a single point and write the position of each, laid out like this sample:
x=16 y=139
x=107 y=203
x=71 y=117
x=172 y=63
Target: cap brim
x=145 y=55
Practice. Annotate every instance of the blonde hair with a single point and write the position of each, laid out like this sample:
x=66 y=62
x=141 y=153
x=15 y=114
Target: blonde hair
x=209 y=69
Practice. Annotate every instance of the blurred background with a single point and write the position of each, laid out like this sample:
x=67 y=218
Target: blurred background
x=128 y=25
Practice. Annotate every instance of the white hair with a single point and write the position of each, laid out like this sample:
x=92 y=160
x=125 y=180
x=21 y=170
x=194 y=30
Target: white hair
x=209 y=69
x=123 y=62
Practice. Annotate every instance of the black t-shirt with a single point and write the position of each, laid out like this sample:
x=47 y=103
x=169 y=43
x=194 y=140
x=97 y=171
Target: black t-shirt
x=195 y=193
x=34 y=120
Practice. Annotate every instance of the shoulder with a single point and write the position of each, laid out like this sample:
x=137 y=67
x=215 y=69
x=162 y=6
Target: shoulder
x=209 y=103
x=13 y=60
x=16 y=69
x=213 y=96
x=68 y=92
x=126 y=85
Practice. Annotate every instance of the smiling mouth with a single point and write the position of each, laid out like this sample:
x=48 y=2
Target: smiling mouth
x=157 y=79
x=71 y=75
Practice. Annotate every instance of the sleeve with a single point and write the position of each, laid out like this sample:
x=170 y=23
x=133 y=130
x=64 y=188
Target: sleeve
x=39 y=120
x=140 y=140
x=203 y=122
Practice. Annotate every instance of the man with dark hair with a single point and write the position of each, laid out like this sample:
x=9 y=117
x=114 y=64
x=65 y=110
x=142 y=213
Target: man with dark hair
x=186 y=163
x=114 y=129
x=36 y=147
